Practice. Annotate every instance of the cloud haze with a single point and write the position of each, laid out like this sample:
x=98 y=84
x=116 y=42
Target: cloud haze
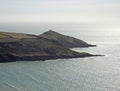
x=62 y=10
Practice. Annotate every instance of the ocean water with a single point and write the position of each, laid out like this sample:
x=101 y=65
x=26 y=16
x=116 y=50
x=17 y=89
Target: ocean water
x=79 y=74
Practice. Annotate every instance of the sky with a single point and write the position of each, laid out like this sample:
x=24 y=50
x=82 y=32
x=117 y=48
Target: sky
x=60 y=11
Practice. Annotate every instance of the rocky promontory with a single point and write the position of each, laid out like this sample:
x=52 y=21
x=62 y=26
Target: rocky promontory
x=27 y=47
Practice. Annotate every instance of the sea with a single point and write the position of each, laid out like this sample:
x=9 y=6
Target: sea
x=76 y=74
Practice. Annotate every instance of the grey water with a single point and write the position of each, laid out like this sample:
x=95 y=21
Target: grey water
x=77 y=74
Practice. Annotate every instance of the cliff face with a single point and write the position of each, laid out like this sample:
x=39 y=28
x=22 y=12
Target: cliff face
x=67 y=41
x=31 y=47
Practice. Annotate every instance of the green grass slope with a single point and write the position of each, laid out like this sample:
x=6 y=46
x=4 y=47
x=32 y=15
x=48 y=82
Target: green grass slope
x=9 y=37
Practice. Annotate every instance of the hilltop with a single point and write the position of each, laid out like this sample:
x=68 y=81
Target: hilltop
x=67 y=41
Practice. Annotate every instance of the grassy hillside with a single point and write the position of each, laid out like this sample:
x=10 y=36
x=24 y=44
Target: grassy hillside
x=67 y=41
x=9 y=37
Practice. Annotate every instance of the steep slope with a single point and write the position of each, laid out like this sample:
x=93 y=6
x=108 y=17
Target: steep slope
x=33 y=48
x=67 y=41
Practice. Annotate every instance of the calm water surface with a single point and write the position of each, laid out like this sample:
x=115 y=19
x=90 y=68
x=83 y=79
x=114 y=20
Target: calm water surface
x=81 y=74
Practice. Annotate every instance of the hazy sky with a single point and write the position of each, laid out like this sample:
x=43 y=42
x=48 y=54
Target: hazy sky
x=60 y=10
